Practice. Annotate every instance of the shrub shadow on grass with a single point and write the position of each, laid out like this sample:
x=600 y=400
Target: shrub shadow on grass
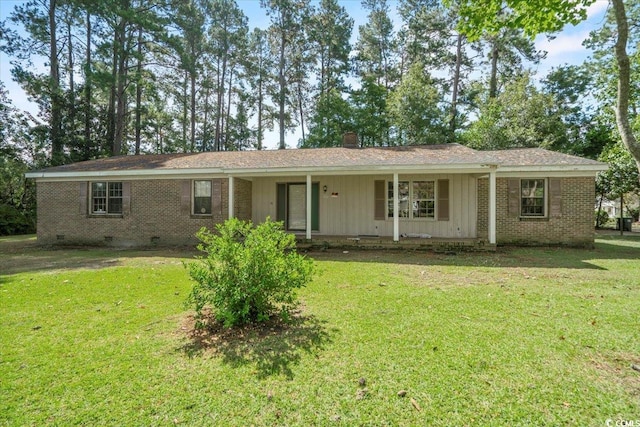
x=274 y=347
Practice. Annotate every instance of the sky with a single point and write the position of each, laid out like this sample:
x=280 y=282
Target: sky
x=565 y=48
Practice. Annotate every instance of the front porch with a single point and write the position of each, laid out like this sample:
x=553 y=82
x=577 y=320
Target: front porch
x=380 y=209
x=380 y=242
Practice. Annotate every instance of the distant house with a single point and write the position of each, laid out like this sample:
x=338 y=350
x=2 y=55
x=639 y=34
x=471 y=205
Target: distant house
x=443 y=192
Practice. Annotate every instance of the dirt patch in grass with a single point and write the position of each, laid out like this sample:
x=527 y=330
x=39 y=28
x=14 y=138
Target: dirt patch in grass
x=273 y=346
x=21 y=254
x=620 y=368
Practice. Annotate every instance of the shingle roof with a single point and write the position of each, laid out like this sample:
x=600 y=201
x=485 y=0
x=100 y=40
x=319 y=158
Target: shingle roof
x=537 y=157
x=445 y=155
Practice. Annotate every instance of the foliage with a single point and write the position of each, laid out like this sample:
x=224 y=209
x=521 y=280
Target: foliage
x=370 y=116
x=17 y=196
x=376 y=45
x=333 y=117
x=622 y=176
x=520 y=116
x=550 y=16
x=415 y=109
x=601 y=217
x=249 y=273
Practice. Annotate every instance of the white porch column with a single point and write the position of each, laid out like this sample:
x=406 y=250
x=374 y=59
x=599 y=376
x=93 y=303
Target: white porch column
x=492 y=207
x=396 y=204
x=231 y=202
x=308 y=207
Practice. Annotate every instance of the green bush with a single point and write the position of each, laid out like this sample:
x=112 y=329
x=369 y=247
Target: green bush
x=248 y=274
x=602 y=217
x=14 y=221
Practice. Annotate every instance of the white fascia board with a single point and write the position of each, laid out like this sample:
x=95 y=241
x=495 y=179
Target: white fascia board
x=127 y=174
x=258 y=172
x=550 y=171
x=360 y=170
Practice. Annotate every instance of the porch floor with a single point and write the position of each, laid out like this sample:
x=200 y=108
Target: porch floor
x=383 y=242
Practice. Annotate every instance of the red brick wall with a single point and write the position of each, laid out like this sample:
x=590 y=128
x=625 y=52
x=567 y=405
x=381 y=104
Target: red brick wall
x=575 y=227
x=156 y=214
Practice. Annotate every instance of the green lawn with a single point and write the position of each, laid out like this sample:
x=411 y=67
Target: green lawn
x=518 y=337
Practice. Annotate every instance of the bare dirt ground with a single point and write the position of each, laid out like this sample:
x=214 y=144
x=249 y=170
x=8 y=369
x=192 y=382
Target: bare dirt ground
x=22 y=253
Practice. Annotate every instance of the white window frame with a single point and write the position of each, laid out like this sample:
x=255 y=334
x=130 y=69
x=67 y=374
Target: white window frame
x=109 y=200
x=194 y=196
x=544 y=198
x=406 y=213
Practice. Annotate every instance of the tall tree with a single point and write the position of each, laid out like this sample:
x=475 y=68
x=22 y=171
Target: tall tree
x=330 y=30
x=370 y=114
x=506 y=50
x=259 y=73
x=329 y=33
x=190 y=19
x=57 y=145
x=376 y=46
x=429 y=35
x=624 y=82
x=415 y=109
x=287 y=17
x=520 y=116
x=228 y=34
x=536 y=17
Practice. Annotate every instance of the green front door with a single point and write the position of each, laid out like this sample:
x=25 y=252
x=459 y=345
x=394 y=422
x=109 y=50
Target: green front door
x=292 y=206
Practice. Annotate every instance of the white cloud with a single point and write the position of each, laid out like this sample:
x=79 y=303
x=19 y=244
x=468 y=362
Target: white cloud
x=562 y=45
x=597 y=9
x=567 y=46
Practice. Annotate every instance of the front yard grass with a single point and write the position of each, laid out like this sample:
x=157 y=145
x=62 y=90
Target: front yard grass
x=538 y=336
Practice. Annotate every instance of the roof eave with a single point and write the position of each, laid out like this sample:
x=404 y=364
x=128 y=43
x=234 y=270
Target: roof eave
x=590 y=169
x=265 y=171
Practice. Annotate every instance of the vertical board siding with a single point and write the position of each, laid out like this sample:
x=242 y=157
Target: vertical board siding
x=443 y=200
x=347 y=208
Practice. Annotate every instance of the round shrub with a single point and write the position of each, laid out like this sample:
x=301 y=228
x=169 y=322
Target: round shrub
x=602 y=217
x=248 y=274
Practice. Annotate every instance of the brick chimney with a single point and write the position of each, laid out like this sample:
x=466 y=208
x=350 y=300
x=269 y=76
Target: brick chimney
x=350 y=140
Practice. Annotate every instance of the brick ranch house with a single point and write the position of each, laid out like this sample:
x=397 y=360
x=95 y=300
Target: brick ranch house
x=421 y=194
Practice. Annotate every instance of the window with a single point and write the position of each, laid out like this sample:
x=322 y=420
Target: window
x=532 y=197
x=202 y=197
x=424 y=205
x=403 y=200
x=416 y=199
x=106 y=198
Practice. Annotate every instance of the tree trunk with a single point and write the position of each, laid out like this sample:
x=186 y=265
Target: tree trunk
x=599 y=210
x=260 y=100
x=139 y=93
x=301 y=109
x=493 y=81
x=220 y=102
x=227 y=139
x=624 y=73
x=57 y=146
x=205 y=120
x=185 y=110
x=621 y=215
x=121 y=95
x=87 y=92
x=192 y=112
x=282 y=95
x=454 y=95
x=111 y=111
x=72 y=87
